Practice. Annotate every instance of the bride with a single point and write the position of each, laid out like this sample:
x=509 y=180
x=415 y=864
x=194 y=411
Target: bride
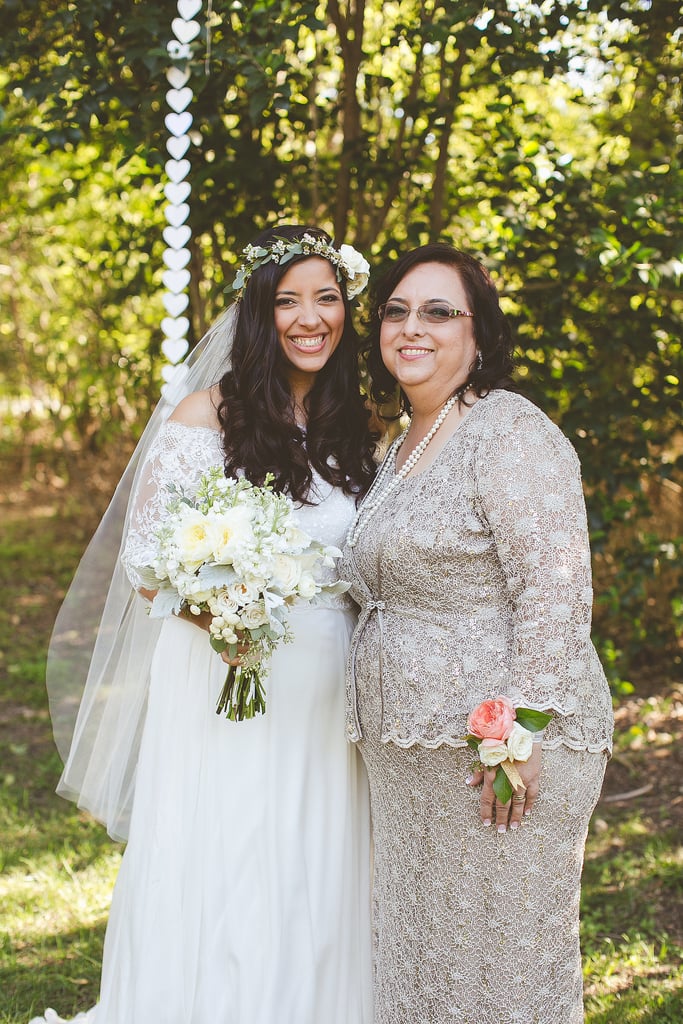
x=243 y=894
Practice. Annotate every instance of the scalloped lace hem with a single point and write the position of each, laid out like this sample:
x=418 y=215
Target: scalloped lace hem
x=600 y=746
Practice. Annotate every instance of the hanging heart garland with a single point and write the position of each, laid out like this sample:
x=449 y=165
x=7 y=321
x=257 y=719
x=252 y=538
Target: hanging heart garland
x=178 y=234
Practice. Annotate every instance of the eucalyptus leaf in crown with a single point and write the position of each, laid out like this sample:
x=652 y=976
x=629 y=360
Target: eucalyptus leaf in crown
x=350 y=265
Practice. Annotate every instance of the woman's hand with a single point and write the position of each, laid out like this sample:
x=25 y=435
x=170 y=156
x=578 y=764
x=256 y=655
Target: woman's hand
x=203 y=620
x=511 y=814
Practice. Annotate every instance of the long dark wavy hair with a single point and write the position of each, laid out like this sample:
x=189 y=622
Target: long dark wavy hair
x=492 y=331
x=260 y=434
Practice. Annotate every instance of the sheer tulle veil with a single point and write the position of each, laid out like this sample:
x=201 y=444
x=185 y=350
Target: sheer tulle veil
x=103 y=640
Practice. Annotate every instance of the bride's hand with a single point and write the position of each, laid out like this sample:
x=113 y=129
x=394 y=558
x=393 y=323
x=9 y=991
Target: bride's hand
x=203 y=620
x=512 y=813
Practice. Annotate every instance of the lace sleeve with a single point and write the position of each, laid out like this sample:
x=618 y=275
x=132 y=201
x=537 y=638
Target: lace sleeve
x=178 y=456
x=529 y=489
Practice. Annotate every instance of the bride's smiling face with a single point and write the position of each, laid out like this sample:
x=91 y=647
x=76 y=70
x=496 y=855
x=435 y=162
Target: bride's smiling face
x=309 y=315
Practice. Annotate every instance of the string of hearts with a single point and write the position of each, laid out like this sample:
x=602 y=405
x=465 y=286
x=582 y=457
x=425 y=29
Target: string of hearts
x=177 y=233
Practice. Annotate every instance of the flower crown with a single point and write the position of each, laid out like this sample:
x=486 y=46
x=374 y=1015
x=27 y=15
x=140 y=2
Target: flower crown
x=349 y=264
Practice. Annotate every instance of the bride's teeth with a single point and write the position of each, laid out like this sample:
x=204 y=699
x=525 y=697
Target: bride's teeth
x=308 y=342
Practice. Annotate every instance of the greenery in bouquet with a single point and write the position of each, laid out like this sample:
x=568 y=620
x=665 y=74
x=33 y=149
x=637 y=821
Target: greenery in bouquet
x=234 y=550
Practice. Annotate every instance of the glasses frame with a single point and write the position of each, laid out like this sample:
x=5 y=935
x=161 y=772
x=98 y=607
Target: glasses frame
x=419 y=310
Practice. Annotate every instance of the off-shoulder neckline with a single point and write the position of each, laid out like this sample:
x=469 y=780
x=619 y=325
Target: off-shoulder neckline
x=192 y=426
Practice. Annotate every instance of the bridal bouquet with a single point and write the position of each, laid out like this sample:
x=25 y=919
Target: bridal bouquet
x=502 y=734
x=235 y=551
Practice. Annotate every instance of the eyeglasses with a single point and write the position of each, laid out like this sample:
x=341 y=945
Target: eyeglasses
x=428 y=312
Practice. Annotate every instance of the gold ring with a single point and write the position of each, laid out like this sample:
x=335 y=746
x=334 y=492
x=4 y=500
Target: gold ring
x=519 y=799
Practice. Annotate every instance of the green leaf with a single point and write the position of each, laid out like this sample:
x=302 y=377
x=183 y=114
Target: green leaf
x=217 y=644
x=532 y=720
x=502 y=787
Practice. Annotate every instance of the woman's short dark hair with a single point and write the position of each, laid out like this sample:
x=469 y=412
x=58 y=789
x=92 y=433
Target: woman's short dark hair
x=492 y=331
x=260 y=434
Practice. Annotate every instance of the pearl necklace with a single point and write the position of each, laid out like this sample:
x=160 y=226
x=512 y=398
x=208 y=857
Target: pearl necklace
x=384 y=483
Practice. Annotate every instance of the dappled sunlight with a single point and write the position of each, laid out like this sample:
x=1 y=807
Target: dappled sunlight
x=44 y=896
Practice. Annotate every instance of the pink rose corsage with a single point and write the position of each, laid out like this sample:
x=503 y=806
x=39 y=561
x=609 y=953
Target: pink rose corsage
x=502 y=734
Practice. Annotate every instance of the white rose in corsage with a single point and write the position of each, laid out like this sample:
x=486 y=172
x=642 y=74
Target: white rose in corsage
x=502 y=734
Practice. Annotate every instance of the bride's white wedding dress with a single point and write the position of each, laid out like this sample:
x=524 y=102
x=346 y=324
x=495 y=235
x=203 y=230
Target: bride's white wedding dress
x=243 y=894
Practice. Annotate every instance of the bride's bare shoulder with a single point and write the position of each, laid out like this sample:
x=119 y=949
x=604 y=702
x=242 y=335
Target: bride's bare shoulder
x=200 y=409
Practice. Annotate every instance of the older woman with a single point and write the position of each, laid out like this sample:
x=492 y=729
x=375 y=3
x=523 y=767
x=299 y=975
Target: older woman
x=470 y=562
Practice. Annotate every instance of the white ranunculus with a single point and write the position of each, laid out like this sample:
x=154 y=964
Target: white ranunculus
x=492 y=752
x=520 y=743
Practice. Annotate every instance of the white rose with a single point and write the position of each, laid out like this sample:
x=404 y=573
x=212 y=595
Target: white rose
x=224 y=604
x=357 y=269
x=243 y=592
x=286 y=573
x=492 y=752
x=520 y=743
x=308 y=587
x=254 y=615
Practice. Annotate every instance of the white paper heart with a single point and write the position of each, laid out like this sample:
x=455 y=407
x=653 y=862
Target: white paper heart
x=188 y=8
x=176 y=259
x=178 y=99
x=185 y=31
x=175 y=304
x=178 y=51
x=177 y=215
x=176 y=280
x=178 y=145
x=177 y=238
x=177 y=169
x=174 y=348
x=177 y=192
x=173 y=373
x=175 y=327
x=176 y=77
x=178 y=124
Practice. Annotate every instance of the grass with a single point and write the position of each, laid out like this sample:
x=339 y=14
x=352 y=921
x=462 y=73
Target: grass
x=58 y=867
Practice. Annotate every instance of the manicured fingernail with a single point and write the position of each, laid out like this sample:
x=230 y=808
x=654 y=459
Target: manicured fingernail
x=502 y=828
x=486 y=822
x=527 y=813
x=469 y=780
x=514 y=825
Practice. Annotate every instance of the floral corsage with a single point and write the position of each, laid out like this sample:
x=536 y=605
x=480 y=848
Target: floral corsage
x=502 y=734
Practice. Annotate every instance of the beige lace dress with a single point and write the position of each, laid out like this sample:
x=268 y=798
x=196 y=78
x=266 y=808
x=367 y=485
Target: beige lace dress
x=474 y=580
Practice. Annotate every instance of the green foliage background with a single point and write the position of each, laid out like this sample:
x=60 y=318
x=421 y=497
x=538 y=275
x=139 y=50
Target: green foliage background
x=546 y=137
x=543 y=136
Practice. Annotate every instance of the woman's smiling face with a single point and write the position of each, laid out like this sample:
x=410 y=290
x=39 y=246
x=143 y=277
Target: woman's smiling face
x=429 y=360
x=309 y=316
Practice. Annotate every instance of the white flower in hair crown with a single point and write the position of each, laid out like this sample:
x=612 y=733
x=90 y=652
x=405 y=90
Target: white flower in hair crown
x=349 y=264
